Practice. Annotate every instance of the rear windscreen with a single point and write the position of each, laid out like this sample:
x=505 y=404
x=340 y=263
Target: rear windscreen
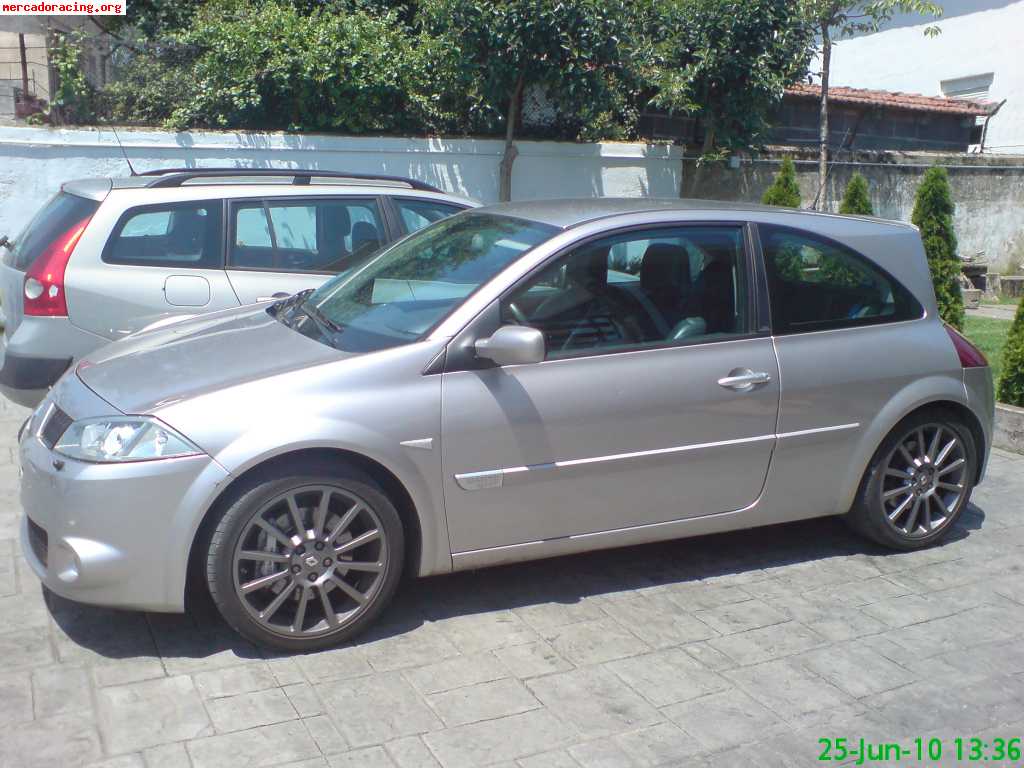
x=52 y=221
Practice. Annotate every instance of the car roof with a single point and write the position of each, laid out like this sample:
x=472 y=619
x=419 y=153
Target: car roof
x=570 y=212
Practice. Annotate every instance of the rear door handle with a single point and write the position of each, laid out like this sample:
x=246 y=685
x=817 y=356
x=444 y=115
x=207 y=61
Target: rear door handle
x=278 y=295
x=743 y=379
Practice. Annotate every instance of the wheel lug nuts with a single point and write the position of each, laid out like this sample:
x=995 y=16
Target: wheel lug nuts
x=327 y=562
x=319 y=545
x=295 y=569
x=301 y=550
x=312 y=577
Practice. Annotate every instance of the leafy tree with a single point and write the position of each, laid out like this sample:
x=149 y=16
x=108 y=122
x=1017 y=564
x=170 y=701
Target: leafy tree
x=726 y=61
x=933 y=215
x=1011 y=382
x=836 y=19
x=856 y=199
x=572 y=47
x=245 y=65
x=784 y=190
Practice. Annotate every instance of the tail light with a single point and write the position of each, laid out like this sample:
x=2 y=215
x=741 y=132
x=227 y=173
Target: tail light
x=44 y=280
x=970 y=355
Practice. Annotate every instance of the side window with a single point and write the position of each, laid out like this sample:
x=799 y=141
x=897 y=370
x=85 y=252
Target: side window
x=178 y=235
x=817 y=284
x=304 y=236
x=641 y=289
x=417 y=214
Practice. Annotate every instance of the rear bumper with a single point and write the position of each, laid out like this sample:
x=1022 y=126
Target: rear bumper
x=37 y=353
x=981 y=399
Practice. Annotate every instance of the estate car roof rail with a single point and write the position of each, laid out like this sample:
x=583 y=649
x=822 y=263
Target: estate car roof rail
x=175 y=177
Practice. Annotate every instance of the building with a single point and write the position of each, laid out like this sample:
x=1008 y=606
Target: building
x=977 y=57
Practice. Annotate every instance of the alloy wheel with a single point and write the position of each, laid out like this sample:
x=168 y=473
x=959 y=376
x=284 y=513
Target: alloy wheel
x=925 y=480
x=310 y=561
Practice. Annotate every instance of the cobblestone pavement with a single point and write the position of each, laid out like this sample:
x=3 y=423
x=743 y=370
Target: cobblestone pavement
x=739 y=649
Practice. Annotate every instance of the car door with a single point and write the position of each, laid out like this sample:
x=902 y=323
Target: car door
x=278 y=247
x=657 y=400
x=160 y=261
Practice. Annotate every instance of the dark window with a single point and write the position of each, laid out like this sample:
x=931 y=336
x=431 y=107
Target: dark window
x=56 y=218
x=417 y=214
x=176 y=235
x=304 y=236
x=640 y=289
x=817 y=284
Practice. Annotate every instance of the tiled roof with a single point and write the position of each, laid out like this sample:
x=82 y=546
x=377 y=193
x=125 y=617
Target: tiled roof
x=893 y=99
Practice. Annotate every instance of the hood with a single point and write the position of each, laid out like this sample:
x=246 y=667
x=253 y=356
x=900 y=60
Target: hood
x=194 y=357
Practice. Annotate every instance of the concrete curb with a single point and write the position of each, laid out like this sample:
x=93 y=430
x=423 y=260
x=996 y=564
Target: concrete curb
x=1008 y=433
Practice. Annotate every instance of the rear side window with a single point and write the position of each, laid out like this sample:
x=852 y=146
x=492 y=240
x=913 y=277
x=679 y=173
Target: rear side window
x=182 y=235
x=61 y=214
x=304 y=236
x=817 y=284
x=416 y=214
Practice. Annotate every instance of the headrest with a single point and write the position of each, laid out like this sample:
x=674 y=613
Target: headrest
x=589 y=269
x=336 y=222
x=665 y=269
x=187 y=230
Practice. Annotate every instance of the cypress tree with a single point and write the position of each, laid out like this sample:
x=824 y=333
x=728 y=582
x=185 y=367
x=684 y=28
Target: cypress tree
x=856 y=199
x=933 y=215
x=784 y=190
x=1011 y=382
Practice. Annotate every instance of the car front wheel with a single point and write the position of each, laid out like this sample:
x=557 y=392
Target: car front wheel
x=918 y=483
x=304 y=562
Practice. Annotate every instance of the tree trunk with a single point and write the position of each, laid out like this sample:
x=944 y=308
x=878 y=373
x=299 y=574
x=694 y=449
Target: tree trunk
x=509 y=157
x=821 y=199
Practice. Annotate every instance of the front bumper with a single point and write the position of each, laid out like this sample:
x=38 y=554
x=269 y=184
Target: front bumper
x=117 y=535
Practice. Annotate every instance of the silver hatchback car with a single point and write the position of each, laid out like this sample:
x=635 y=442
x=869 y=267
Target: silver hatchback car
x=515 y=382
x=108 y=257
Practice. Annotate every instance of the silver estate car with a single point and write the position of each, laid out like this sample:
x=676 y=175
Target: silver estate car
x=514 y=382
x=107 y=257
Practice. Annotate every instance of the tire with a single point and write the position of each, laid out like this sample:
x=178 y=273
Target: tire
x=923 y=515
x=291 y=576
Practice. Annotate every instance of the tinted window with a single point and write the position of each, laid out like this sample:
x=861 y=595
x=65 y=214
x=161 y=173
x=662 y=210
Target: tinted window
x=398 y=295
x=666 y=286
x=817 y=284
x=305 y=236
x=417 y=214
x=179 y=235
x=61 y=214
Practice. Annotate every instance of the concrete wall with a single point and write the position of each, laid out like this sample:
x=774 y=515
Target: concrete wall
x=979 y=37
x=988 y=192
x=35 y=161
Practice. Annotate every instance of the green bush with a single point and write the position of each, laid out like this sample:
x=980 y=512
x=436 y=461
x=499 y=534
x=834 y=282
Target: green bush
x=933 y=215
x=784 y=190
x=856 y=200
x=1011 y=382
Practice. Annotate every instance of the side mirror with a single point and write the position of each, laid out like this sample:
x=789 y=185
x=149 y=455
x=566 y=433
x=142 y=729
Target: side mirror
x=512 y=345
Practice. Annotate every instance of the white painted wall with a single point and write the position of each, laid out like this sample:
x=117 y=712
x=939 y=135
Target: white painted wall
x=34 y=162
x=978 y=36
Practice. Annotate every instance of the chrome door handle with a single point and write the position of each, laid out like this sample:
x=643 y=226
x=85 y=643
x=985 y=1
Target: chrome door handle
x=275 y=297
x=743 y=378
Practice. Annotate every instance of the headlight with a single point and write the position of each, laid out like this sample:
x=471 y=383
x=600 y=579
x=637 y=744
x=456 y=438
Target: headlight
x=122 y=438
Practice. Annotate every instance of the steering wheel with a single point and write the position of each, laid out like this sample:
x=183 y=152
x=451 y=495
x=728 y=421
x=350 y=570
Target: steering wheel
x=517 y=314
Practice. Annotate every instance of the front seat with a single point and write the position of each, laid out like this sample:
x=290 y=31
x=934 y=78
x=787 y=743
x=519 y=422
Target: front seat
x=665 y=281
x=185 y=239
x=717 y=292
x=365 y=238
x=337 y=225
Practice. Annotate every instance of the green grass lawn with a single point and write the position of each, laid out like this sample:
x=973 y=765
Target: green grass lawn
x=988 y=335
x=1002 y=300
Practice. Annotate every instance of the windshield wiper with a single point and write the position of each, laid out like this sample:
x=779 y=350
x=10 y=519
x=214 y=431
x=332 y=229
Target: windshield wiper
x=314 y=312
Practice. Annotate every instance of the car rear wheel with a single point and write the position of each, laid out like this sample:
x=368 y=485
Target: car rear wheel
x=304 y=562
x=918 y=483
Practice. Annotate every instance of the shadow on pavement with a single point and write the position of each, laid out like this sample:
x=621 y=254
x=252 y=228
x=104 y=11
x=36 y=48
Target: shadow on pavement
x=201 y=632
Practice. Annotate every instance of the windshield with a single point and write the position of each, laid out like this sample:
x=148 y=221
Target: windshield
x=399 y=294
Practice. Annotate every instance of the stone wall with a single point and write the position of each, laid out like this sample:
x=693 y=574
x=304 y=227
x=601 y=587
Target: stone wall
x=988 y=192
